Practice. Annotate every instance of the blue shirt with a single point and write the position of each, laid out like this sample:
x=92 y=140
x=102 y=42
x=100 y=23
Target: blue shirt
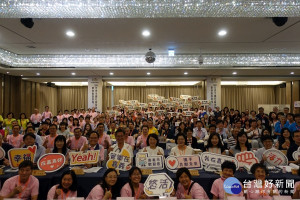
x=278 y=127
x=294 y=127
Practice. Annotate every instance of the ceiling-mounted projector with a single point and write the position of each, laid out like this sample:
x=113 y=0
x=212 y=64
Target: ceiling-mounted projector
x=150 y=57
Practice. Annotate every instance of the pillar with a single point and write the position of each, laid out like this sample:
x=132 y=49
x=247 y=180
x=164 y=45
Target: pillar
x=95 y=92
x=213 y=91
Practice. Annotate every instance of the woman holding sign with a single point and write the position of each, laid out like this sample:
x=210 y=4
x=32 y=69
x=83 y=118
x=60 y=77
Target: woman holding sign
x=134 y=188
x=259 y=189
x=108 y=189
x=181 y=149
x=188 y=189
x=67 y=187
x=152 y=146
x=214 y=144
x=60 y=146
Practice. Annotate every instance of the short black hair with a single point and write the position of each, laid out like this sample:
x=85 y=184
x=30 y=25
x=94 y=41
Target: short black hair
x=53 y=125
x=266 y=137
x=100 y=124
x=120 y=130
x=28 y=135
x=212 y=125
x=182 y=170
x=228 y=165
x=153 y=135
x=189 y=129
x=258 y=165
x=26 y=163
x=77 y=129
x=73 y=187
x=180 y=134
x=94 y=132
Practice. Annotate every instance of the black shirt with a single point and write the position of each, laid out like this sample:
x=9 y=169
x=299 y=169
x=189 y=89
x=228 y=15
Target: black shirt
x=293 y=147
x=6 y=147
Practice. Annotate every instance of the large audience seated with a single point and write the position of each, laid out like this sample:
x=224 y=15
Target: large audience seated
x=220 y=131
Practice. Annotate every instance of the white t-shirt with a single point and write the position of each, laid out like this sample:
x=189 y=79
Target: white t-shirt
x=176 y=152
x=153 y=152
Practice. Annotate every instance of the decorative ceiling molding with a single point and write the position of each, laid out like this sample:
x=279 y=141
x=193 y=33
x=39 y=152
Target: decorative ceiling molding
x=138 y=61
x=148 y=8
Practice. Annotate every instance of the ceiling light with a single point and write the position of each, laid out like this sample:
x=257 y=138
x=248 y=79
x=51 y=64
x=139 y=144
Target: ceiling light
x=173 y=83
x=251 y=82
x=111 y=73
x=7 y=72
x=185 y=73
x=146 y=33
x=21 y=74
x=234 y=73
x=73 y=73
x=70 y=83
x=222 y=33
x=148 y=73
x=38 y=74
x=70 y=33
x=292 y=73
x=171 y=52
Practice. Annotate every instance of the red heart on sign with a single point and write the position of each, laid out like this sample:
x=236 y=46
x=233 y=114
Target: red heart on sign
x=32 y=149
x=172 y=162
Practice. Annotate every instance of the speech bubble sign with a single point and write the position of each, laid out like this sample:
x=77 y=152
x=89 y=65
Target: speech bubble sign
x=158 y=184
x=80 y=158
x=213 y=161
x=173 y=163
x=246 y=158
x=204 y=102
x=51 y=162
x=275 y=157
x=2 y=153
x=18 y=155
x=120 y=161
x=296 y=154
x=144 y=161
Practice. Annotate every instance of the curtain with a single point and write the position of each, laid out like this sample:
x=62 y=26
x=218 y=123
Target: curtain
x=280 y=95
x=48 y=97
x=72 y=97
x=247 y=97
x=140 y=93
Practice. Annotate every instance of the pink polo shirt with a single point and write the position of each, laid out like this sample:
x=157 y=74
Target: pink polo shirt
x=31 y=190
x=217 y=189
x=96 y=193
x=63 y=195
x=77 y=144
x=47 y=115
x=36 y=118
x=130 y=141
x=254 y=192
x=15 y=141
x=127 y=192
x=197 y=192
x=296 y=185
x=103 y=138
x=59 y=118
x=50 y=144
x=143 y=139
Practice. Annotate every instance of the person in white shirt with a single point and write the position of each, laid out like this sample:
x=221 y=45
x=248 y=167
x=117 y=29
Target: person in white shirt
x=199 y=132
x=181 y=149
x=152 y=146
x=267 y=141
x=120 y=145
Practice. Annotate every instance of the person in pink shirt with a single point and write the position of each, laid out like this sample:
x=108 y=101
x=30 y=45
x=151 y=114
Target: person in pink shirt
x=129 y=139
x=104 y=139
x=134 y=188
x=75 y=125
x=260 y=188
x=59 y=116
x=108 y=189
x=217 y=189
x=77 y=141
x=66 y=114
x=142 y=139
x=81 y=122
x=22 y=186
x=16 y=139
x=46 y=114
x=67 y=187
x=49 y=141
x=36 y=118
x=188 y=189
x=93 y=145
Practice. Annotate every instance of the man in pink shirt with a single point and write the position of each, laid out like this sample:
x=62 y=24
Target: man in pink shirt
x=217 y=189
x=22 y=186
x=93 y=113
x=77 y=141
x=46 y=114
x=104 y=139
x=49 y=142
x=66 y=114
x=36 y=118
x=16 y=139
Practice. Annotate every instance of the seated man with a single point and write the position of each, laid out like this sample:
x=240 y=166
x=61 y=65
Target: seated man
x=120 y=143
x=294 y=147
x=77 y=141
x=267 y=141
x=22 y=186
x=29 y=140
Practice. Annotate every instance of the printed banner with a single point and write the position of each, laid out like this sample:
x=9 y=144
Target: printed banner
x=144 y=161
x=213 y=161
x=173 y=163
x=159 y=184
x=2 y=153
x=204 y=102
x=51 y=162
x=80 y=158
x=187 y=113
x=275 y=157
x=120 y=161
x=18 y=155
x=246 y=158
x=184 y=96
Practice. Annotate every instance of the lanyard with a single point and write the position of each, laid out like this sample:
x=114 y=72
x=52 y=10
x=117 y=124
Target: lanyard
x=186 y=192
x=144 y=140
x=182 y=152
x=23 y=189
x=62 y=194
x=52 y=141
x=137 y=194
x=76 y=142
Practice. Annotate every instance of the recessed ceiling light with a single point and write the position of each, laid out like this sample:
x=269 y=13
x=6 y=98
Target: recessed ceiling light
x=111 y=73
x=234 y=73
x=73 y=73
x=171 y=52
x=292 y=73
x=146 y=33
x=38 y=74
x=222 y=32
x=185 y=73
x=21 y=74
x=7 y=72
x=148 y=73
x=70 y=33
